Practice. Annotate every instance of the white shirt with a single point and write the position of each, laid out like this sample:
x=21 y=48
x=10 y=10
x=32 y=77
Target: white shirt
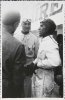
x=48 y=53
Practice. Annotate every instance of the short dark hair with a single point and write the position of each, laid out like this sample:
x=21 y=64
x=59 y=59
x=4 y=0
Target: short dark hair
x=50 y=26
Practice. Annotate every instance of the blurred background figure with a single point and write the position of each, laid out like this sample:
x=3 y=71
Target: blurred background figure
x=60 y=44
x=13 y=58
x=59 y=69
x=47 y=59
x=30 y=42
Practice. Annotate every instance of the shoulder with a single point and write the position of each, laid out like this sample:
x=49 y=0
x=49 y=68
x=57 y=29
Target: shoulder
x=10 y=46
x=16 y=43
x=16 y=48
x=13 y=43
x=49 y=43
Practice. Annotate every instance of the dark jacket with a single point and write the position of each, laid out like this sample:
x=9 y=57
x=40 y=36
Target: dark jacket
x=13 y=59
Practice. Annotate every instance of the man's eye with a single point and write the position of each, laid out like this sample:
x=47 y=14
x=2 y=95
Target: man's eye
x=41 y=26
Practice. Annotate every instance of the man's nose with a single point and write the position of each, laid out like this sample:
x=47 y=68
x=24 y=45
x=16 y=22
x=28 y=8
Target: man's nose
x=27 y=26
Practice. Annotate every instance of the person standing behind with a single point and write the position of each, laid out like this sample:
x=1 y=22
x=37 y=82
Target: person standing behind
x=59 y=69
x=31 y=46
x=47 y=59
x=13 y=58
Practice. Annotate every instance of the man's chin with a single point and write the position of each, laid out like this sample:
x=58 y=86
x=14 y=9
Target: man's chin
x=25 y=32
x=40 y=35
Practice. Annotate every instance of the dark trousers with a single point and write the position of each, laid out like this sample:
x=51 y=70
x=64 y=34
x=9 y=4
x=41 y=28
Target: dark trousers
x=6 y=89
x=27 y=86
x=11 y=91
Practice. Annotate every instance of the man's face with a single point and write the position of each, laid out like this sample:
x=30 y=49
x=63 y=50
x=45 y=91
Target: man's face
x=26 y=27
x=42 y=30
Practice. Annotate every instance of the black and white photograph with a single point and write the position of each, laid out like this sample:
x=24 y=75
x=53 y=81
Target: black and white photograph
x=32 y=49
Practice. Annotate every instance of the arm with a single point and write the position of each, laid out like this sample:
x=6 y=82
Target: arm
x=52 y=60
x=18 y=71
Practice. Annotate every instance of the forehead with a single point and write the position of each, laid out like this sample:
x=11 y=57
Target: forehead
x=26 y=23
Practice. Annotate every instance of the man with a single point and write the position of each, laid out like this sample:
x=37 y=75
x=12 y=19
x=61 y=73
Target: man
x=31 y=46
x=13 y=58
x=47 y=59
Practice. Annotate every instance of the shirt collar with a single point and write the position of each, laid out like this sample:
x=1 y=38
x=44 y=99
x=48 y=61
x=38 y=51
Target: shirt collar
x=46 y=38
x=27 y=36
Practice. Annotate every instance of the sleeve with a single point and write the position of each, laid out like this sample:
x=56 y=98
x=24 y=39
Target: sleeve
x=52 y=60
x=18 y=71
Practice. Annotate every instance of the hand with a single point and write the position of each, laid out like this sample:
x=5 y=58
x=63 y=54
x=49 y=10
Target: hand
x=35 y=61
x=29 y=70
x=32 y=66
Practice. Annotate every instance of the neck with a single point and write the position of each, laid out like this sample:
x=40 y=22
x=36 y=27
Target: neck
x=9 y=29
